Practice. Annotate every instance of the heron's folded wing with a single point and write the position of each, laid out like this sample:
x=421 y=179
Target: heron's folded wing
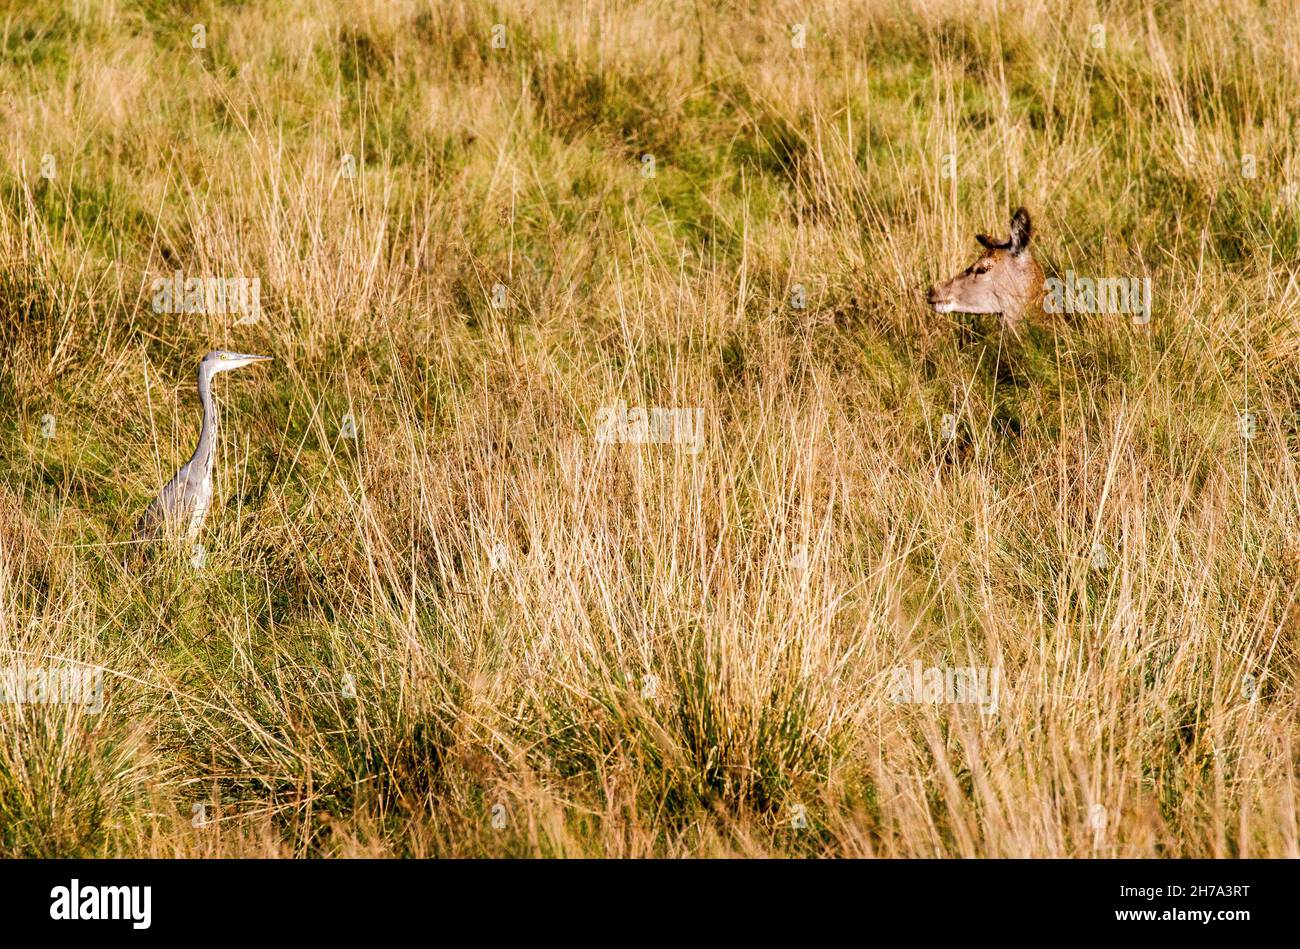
x=173 y=505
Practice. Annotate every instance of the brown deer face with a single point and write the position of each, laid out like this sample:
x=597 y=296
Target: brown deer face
x=1006 y=279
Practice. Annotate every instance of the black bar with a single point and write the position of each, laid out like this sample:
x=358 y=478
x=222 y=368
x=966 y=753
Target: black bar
x=242 y=898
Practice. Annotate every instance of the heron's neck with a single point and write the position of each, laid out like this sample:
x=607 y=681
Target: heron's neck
x=208 y=433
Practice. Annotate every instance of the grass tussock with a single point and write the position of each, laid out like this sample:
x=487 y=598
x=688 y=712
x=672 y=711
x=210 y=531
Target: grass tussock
x=437 y=615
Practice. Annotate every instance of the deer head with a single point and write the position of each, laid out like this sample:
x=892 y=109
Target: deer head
x=1005 y=279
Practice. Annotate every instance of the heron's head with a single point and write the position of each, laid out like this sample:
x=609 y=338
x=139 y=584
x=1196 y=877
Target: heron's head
x=220 y=360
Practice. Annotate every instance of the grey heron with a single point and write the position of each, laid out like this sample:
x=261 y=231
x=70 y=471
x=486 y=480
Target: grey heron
x=183 y=501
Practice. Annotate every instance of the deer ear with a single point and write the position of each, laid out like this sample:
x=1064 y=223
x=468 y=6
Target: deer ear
x=1021 y=230
x=991 y=243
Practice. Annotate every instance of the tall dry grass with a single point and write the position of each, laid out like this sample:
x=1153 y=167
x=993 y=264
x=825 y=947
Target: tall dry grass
x=646 y=667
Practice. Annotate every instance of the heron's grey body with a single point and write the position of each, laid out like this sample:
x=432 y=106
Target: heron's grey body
x=183 y=502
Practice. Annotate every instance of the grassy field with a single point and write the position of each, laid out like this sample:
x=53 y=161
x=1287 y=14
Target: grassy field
x=434 y=614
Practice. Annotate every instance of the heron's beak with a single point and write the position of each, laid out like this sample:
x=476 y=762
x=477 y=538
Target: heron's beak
x=244 y=359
